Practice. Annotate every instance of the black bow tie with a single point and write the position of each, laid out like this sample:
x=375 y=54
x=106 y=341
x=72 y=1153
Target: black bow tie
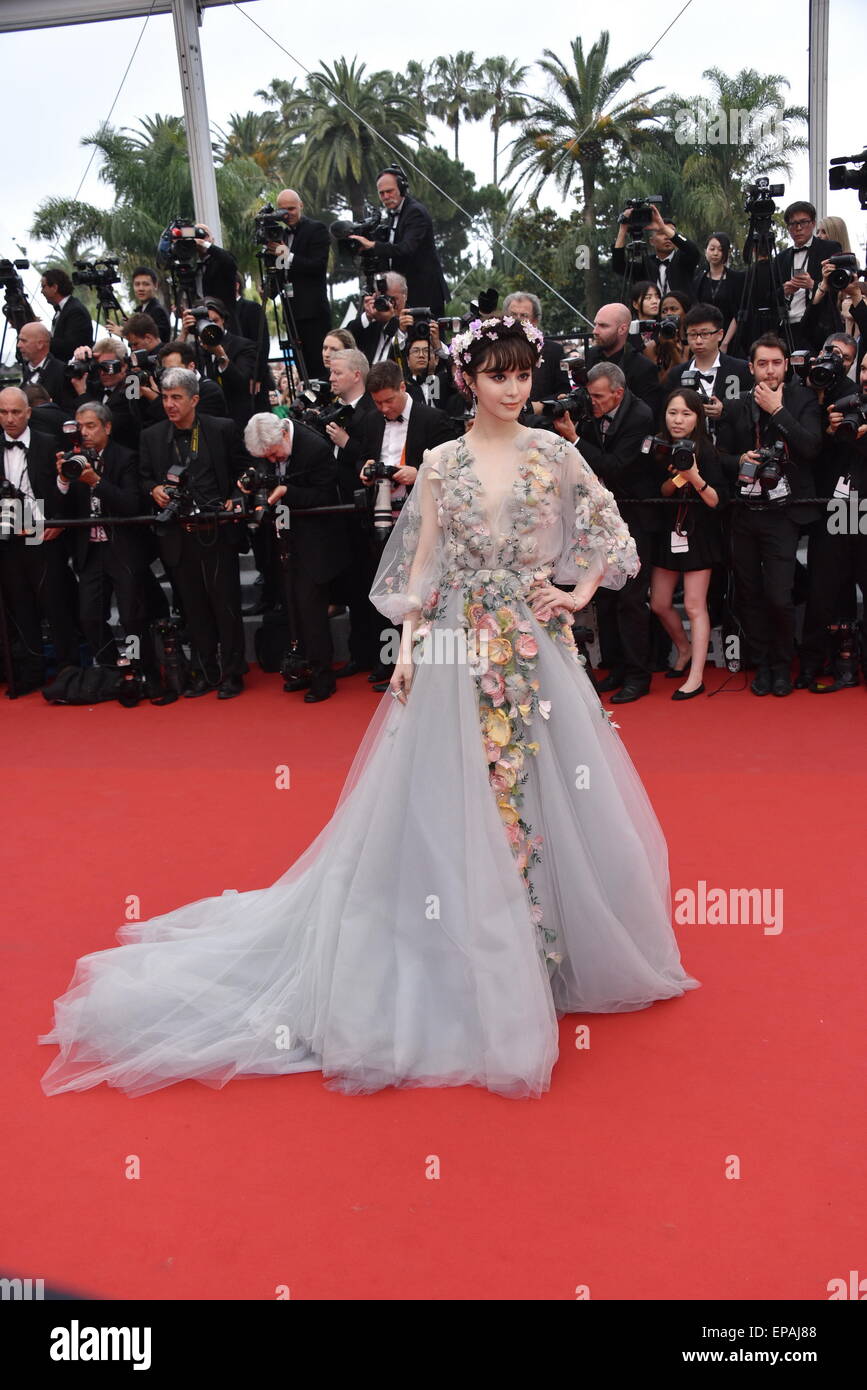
x=14 y=444
x=706 y=376
x=398 y=419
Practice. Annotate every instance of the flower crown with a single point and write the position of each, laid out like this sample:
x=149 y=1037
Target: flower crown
x=484 y=328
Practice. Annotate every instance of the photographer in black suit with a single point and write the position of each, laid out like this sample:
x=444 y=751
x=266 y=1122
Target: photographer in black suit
x=203 y=560
x=40 y=367
x=229 y=360
x=115 y=381
x=144 y=287
x=108 y=558
x=611 y=443
x=398 y=433
x=718 y=377
x=72 y=327
x=799 y=268
x=379 y=331
x=611 y=344
x=670 y=262
x=410 y=248
x=767 y=518
x=35 y=578
x=180 y=353
x=306 y=470
x=430 y=381
x=302 y=258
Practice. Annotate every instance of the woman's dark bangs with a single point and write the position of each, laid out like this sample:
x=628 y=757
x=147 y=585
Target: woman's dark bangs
x=508 y=355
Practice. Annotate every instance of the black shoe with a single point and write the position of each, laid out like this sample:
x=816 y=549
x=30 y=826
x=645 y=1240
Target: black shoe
x=379 y=673
x=230 y=687
x=256 y=609
x=320 y=690
x=293 y=683
x=688 y=694
x=201 y=686
x=168 y=697
x=611 y=682
x=381 y=686
x=673 y=672
x=781 y=680
x=762 y=685
x=632 y=690
x=352 y=668
x=807 y=676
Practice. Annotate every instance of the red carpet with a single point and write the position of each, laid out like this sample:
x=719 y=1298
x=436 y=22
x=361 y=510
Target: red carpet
x=616 y=1179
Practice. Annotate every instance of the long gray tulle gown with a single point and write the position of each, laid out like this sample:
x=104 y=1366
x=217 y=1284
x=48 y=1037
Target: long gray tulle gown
x=493 y=861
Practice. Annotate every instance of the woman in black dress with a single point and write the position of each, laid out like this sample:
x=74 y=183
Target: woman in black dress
x=720 y=285
x=691 y=545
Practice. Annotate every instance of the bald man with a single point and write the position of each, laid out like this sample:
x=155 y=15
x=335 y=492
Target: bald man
x=40 y=368
x=610 y=330
x=303 y=258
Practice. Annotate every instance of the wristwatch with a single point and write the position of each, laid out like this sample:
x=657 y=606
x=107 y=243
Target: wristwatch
x=703 y=489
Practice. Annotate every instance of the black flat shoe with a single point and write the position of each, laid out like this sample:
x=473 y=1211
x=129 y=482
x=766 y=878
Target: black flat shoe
x=381 y=686
x=199 y=687
x=230 y=687
x=293 y=683
x=762 y=683
x=352 y=668
x=611 y=682
x=379 y=673
x=674 y=671
x=687 y=694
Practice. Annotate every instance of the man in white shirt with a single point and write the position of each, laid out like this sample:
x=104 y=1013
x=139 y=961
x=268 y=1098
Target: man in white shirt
x=40 y=368
x=800 y=269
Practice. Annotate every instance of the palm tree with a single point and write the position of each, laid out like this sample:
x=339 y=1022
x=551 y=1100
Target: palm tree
x=343 y=114
x=502 y=79
x=254 y=135
x=455 y=92
x=414 y=81
x=569 y=132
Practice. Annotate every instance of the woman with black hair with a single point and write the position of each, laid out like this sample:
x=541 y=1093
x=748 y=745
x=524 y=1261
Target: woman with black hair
x=471 y=887
x=720 y=285
x=691 y=545
x=671 y=350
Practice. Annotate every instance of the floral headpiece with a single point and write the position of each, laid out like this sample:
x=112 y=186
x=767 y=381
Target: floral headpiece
x=486 y=328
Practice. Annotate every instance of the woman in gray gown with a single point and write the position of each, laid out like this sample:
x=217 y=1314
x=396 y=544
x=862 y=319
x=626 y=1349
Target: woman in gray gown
x=493 y=861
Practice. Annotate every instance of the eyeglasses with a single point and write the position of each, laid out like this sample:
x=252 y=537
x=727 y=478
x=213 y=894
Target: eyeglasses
x=109 y=368
x=696 y=333
x=801 y=222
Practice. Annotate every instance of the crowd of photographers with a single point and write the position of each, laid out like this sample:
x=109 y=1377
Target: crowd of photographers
x=726 y=410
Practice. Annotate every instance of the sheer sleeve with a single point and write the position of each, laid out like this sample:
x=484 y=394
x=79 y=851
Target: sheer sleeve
x=596 y=540
x=411 y=564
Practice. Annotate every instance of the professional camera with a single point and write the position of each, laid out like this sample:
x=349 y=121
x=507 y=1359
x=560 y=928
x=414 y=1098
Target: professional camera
x=844 y=272
x=376 y=228
x=380 y=470
x=96 y=274
x=767 y=469
x=16 y=307
x=639 y=326
x=182 y=237
x=77 y=456
x=181 y=501
x=421 y=319
x=759 y=198
x=209 y=334
x=257 y=482
x=270 y=225
x=841 y=177
x=9 y=515
x=639 y=213
x=819 y=371
x=679 y=454
x=854 y=411
x=382 y=474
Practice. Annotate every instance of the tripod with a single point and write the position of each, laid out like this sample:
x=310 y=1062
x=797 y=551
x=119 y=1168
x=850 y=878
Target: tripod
x=275 y=279
x=764 y=306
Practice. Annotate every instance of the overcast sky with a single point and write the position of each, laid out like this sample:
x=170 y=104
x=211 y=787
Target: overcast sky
x=59 y=83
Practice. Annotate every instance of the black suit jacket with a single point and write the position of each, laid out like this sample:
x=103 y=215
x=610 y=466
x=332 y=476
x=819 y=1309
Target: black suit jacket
x=731 y=370
x=319 y=545
x=311 y=245
x=728 y=292
x=219 y=271
x=822 y=318
x=72 y=328
x=548 y=380
x=51 y=376
x=350 y=457
x=618 y=461
x=426 y=429
x=48 y=419
x=235 y=380
x=798 y=424
x=367 y=337
x=642 y=378
x=119 y=492
x=414 y=254
x=154 y=309
x=41 y=469
x=680 y=269
x=219 y=441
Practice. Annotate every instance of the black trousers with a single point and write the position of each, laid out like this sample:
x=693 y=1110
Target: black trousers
x=764 y=545
x=624 y=617
x=208 y=580
x=310 y=335
x=834 y=564
x=108 y=568
x=35 y=582
x=306 y=599
x=352 y=586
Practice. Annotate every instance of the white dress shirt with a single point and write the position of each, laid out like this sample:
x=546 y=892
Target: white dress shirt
x=798 y=302
x=394 y=443
x=16 y=471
